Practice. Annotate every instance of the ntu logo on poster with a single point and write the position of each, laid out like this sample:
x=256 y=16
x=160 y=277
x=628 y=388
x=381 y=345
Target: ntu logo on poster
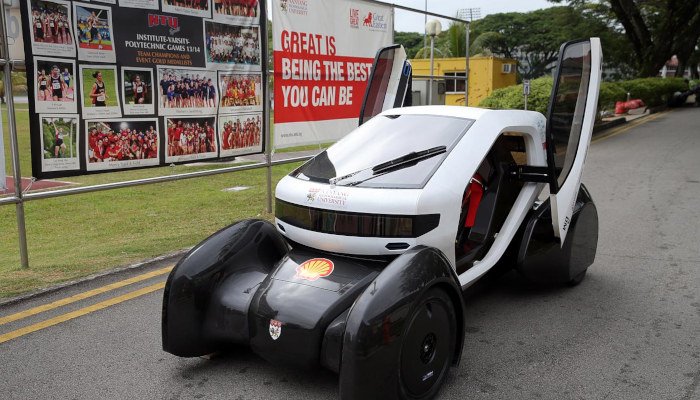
x=164 y=20
x=298 y=7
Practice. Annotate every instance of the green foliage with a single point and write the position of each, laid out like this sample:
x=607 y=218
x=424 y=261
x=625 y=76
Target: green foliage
x=534 y=38
x=19 y=84
x=411 y=41
x=655 y=29
x=609 y=93
x=487 y=42
x=452 y=42
x=511 y=97
x=456 y=40
x=653 y=91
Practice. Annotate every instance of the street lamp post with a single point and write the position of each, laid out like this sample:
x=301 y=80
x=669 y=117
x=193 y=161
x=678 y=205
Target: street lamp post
x=432 y=28
x=468 y=15
x=425 y=33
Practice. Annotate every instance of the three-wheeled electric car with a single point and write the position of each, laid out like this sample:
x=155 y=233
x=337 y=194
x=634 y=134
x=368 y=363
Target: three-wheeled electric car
x=375 y=238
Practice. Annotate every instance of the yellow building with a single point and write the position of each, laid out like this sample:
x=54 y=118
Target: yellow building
x=485 y=75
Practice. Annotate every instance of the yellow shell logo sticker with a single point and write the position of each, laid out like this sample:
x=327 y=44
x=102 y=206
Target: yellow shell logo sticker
x=315 y=268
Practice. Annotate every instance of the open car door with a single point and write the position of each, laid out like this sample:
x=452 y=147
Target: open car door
x=389 y=83
x=570 y=117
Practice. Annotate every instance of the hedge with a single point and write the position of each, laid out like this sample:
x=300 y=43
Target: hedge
x=511 y=97
x=653 y=91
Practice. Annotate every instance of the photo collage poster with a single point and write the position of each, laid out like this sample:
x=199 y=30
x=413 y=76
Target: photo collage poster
x=121 y=84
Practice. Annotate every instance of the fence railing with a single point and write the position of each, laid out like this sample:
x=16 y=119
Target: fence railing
x=18 y=198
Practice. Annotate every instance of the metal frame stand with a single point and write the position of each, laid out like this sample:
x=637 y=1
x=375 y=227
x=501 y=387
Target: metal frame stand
x=19 y=198
x=268 y=147
x=14 y=146
x=466 y=71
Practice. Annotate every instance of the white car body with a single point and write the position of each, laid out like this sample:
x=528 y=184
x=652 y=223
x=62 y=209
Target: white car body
x=442 y=194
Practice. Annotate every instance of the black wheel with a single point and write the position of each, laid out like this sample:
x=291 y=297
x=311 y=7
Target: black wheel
x=428 y=346
x=578 y=278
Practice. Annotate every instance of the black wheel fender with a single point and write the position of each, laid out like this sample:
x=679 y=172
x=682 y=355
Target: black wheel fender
x=540 y=257
x=240 y=254
x=378 y=320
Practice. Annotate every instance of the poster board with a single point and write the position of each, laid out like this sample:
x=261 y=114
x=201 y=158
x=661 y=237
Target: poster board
x=122 y=84
x=323 y=54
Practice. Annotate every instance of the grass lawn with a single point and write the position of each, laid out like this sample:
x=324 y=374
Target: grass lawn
x=75 y=236
x=320 y=146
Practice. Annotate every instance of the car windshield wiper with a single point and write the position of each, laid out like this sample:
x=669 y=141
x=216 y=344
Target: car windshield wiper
x=395 y=164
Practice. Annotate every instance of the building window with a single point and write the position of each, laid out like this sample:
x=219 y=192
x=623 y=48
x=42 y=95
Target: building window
x=455 y=85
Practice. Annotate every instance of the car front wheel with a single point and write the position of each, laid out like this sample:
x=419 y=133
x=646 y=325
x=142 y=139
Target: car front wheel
x=428 y=346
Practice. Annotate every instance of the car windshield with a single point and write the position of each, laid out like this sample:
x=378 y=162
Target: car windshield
x=383 y=139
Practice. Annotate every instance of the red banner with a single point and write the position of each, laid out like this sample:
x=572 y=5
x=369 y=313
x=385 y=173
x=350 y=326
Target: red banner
x=319 y=87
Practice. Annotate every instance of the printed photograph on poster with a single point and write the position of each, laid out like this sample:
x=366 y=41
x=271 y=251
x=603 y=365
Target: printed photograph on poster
x=232 y=46
x=237 y=11
x=137 y=91
x=190 y=138
x=196 y=8
x=98 y=87
x=121 y=143
x=59 y=142
x=240 y=134
x=240 y=92
x=51 y=33
x=54 y=87
x=94 y=32
x=144 y=4
x=187 y=91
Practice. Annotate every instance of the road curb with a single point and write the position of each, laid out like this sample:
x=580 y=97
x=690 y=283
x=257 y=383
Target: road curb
x=606 y=129
x=164 y=259
x=608 y=125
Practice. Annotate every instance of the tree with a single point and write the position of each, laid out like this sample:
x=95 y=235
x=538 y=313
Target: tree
x=487 y=41
x=450 y=43
x=454 y=40
x=411 y=41
x=655 y=29
x=694 y=62
x=534 y=38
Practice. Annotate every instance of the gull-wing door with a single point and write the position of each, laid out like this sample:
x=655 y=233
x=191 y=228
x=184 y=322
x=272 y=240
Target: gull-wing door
x=389 y=83
x=570 y=119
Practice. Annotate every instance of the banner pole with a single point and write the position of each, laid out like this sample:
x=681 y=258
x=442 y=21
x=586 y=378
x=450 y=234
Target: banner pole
x=466 y=71
x=266 y=95
x=393 y=24
x=14 y=147
x=268 y=147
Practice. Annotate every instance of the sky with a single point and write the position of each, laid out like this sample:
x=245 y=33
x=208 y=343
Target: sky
x=412 y=22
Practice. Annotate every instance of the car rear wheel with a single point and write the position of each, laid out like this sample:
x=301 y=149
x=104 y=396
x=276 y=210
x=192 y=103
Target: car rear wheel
x=428 y=346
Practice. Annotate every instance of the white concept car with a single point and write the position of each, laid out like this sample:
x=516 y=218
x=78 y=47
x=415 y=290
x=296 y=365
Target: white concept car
x=375 y=238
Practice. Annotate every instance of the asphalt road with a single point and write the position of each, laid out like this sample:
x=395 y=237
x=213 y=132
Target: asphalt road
x=631 y=330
